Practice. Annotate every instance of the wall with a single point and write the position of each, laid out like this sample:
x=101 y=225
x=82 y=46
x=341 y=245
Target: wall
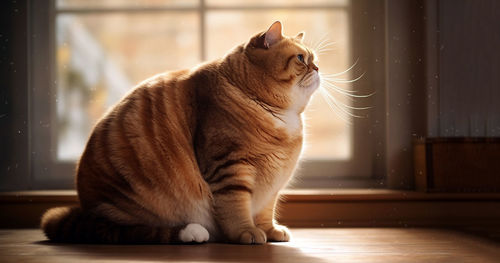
x=442 y=76
x=405 y=92
x=14 y=133
x=467 y=73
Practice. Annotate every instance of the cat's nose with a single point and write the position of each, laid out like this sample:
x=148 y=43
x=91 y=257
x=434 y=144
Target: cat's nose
x=314 y=67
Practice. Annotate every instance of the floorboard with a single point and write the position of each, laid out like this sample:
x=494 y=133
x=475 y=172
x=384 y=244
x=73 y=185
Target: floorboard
x=308 y=245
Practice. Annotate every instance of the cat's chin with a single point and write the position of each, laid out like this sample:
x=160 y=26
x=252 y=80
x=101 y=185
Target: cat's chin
x=303 y=91
x=311 y=82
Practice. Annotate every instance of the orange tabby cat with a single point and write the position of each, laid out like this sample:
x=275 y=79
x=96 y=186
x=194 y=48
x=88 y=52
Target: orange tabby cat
x=196 y=155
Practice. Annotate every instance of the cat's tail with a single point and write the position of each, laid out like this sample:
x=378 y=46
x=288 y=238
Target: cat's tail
x=74 y=225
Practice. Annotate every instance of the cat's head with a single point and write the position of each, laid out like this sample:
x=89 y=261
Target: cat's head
x=290 y=74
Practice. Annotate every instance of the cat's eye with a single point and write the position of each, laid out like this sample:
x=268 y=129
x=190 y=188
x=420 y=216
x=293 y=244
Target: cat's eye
x=301 y=58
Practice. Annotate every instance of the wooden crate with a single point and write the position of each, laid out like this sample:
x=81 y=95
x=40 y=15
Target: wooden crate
x=457 y=164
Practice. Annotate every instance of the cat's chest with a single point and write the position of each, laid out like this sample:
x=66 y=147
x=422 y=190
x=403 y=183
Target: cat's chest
x=290 y=121
x=275 y=179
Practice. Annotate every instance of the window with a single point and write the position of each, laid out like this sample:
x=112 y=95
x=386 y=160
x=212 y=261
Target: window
x=97 y=50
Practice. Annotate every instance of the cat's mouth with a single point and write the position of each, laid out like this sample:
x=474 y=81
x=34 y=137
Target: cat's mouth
x=311 y=81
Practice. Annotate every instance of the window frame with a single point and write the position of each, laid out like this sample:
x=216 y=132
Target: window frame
x=48 y=173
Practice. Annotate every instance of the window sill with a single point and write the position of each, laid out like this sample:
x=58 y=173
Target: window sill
x=312 y=208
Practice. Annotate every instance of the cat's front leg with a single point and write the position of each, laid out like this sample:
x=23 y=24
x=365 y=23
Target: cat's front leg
x=232 y=208
x=265 y=221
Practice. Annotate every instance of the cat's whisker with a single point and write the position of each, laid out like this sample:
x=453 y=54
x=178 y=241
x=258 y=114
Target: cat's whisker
x=349 y=106
x=333 y=90
x=324 y=39
x=348 y=95
x=323 y=51
x=334 y=106
x=313 y=44
x=341 y=106
x=325 y=45
x=343 y=72
x=344 y=92
x=336 y=80
x=358 y=108
x=332 y=85
x=328 y=84
x=337 y=109
x=320 y=41
x=331 y=82
x=344 y=80
x=308 y=42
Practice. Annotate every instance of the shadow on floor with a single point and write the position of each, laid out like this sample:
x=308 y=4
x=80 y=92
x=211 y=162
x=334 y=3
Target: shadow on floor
x=212 y=252
x=490 y=233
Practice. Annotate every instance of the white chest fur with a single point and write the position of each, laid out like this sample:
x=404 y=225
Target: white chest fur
x=290 y=121
x=266 y=190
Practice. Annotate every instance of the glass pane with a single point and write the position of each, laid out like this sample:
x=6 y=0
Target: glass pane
x=123 y=3
x=277 y=2
x=101 y=57
x=328 y=136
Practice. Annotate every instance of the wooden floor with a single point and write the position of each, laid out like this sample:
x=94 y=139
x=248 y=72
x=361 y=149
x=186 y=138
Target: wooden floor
x=308 y=245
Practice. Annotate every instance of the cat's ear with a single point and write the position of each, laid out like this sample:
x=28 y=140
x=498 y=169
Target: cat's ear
x=300 y=36
x=272 y=35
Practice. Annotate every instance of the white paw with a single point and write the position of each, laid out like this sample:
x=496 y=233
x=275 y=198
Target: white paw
x=194 y=233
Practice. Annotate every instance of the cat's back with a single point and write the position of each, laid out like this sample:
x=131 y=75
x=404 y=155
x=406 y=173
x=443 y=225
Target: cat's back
x=127 y=148
x=154 y=100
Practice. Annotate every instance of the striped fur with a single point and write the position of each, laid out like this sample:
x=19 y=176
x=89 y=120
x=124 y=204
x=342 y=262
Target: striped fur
x=209 y=146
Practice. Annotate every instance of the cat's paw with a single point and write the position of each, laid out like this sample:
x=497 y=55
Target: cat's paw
x=194 y=233
x=278 y=233
x=253 y=236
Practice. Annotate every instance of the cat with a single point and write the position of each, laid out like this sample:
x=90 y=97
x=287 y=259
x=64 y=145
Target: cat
x=196 y=155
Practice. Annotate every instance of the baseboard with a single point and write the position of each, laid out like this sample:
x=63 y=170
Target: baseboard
x=312 y=208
